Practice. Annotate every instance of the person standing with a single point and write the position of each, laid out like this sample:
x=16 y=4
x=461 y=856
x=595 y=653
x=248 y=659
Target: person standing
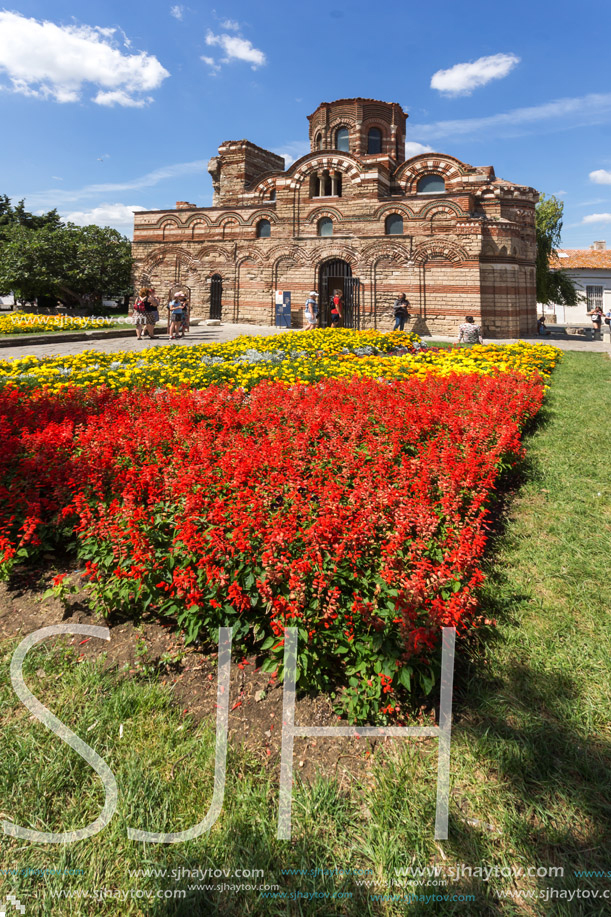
x=145 y=312
x=311 y=311
x=469 y=332
x=337 y=308
x=152 y=312
x=401 y=312
x=175 y=316
x=597 y=319
x=186 y=312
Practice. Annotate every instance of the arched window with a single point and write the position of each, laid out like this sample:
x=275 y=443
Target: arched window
x=394 y=224
x=431 y=184
x=374 y=140
x=342 y=140
x=318 y=142
x=272 y=194
x=264 y=229
x=325 y=227
x=326 y=183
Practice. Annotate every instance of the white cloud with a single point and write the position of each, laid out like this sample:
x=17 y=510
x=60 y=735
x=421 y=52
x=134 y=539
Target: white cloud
x=56 y=197
x=214 y=67
x=601 y=177
x=236 y=48
x=292 y=151
x=231 y=25
x=177 y=11
x=119 y=216
x=597 y=218
x=120 y=97
x=462 y=79
x=48 y=61
x=568 y=113
x=414 y=149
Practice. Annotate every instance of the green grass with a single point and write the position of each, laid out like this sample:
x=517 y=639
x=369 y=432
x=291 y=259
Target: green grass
x=531 y=752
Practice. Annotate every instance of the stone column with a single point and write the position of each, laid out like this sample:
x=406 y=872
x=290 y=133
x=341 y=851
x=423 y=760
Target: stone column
x=321 y=184
x=333 y=183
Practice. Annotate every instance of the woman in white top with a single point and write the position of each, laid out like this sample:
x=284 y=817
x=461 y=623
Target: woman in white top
x=311 y=311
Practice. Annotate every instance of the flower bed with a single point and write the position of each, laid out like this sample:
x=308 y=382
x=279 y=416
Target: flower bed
x=27 y=323
x=355 y=509
x=246 y=361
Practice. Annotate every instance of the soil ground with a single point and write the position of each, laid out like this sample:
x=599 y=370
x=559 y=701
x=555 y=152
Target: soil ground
x=152 y=648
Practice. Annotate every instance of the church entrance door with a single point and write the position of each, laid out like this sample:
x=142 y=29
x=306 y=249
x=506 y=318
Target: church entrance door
x=216 y=296
x=337 y=275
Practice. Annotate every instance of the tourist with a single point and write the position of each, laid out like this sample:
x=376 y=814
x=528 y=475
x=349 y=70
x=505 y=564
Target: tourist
x=401 y=313
x=186 y=312
x=146 y=312
x=175 y=315
x=542 y=328
x=469 y=332
x=152 y=313
x=337 y=308
x=311 y=311
x=597 y=319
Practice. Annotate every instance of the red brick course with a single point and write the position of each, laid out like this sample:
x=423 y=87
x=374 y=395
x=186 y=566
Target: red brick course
x=468 y=249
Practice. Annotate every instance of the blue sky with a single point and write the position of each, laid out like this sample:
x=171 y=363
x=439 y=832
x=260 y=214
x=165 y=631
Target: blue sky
x=110 y=106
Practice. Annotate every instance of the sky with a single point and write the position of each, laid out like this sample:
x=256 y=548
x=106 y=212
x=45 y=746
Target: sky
x=110 y=107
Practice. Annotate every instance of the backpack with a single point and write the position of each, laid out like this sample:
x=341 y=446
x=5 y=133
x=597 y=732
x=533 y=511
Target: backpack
x=140 y=305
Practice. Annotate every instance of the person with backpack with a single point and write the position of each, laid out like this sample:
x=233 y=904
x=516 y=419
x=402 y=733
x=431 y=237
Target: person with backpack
x=146 y=312
x=400 y=311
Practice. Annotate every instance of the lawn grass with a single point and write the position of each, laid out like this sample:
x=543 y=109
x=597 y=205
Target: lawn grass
x=531 y=752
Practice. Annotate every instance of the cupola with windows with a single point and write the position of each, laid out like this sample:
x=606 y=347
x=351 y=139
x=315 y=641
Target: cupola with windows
x=363 y=127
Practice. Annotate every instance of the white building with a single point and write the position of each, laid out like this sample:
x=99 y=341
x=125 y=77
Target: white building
x=590 y=271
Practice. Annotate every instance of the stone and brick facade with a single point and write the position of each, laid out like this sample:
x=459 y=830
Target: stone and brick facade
x=352 y=214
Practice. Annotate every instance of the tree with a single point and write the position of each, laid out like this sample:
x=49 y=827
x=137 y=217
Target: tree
x=79 y=265
x=19 y=216
x=553 y=285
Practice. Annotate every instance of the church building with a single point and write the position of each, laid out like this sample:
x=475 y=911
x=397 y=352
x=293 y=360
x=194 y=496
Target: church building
x=355 y=215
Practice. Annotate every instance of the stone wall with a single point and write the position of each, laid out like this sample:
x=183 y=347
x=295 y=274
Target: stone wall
x=468 y=249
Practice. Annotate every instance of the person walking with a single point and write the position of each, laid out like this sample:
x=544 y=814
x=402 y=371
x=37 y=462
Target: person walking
x=311 y=311
x=469 y=332
x=597 y=319
x=337 y=308
x=401 y=313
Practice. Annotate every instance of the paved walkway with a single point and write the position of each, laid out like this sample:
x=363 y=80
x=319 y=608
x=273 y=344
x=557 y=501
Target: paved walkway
x=201 y=334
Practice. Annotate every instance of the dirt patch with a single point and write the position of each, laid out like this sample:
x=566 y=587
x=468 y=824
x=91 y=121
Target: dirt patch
x=152 y=648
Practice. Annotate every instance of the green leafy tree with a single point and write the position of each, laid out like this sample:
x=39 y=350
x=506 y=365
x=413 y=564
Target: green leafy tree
x=79 y=265
x=19 y=216
x=553 y=285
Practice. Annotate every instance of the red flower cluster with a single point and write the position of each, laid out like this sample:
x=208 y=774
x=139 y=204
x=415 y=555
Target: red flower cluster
x=355 y=511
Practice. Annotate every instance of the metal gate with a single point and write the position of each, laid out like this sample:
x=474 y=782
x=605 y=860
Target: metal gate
x=337 y=275
x=216 y=296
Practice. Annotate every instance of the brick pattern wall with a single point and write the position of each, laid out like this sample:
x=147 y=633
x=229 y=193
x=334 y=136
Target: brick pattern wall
x=468 y=250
